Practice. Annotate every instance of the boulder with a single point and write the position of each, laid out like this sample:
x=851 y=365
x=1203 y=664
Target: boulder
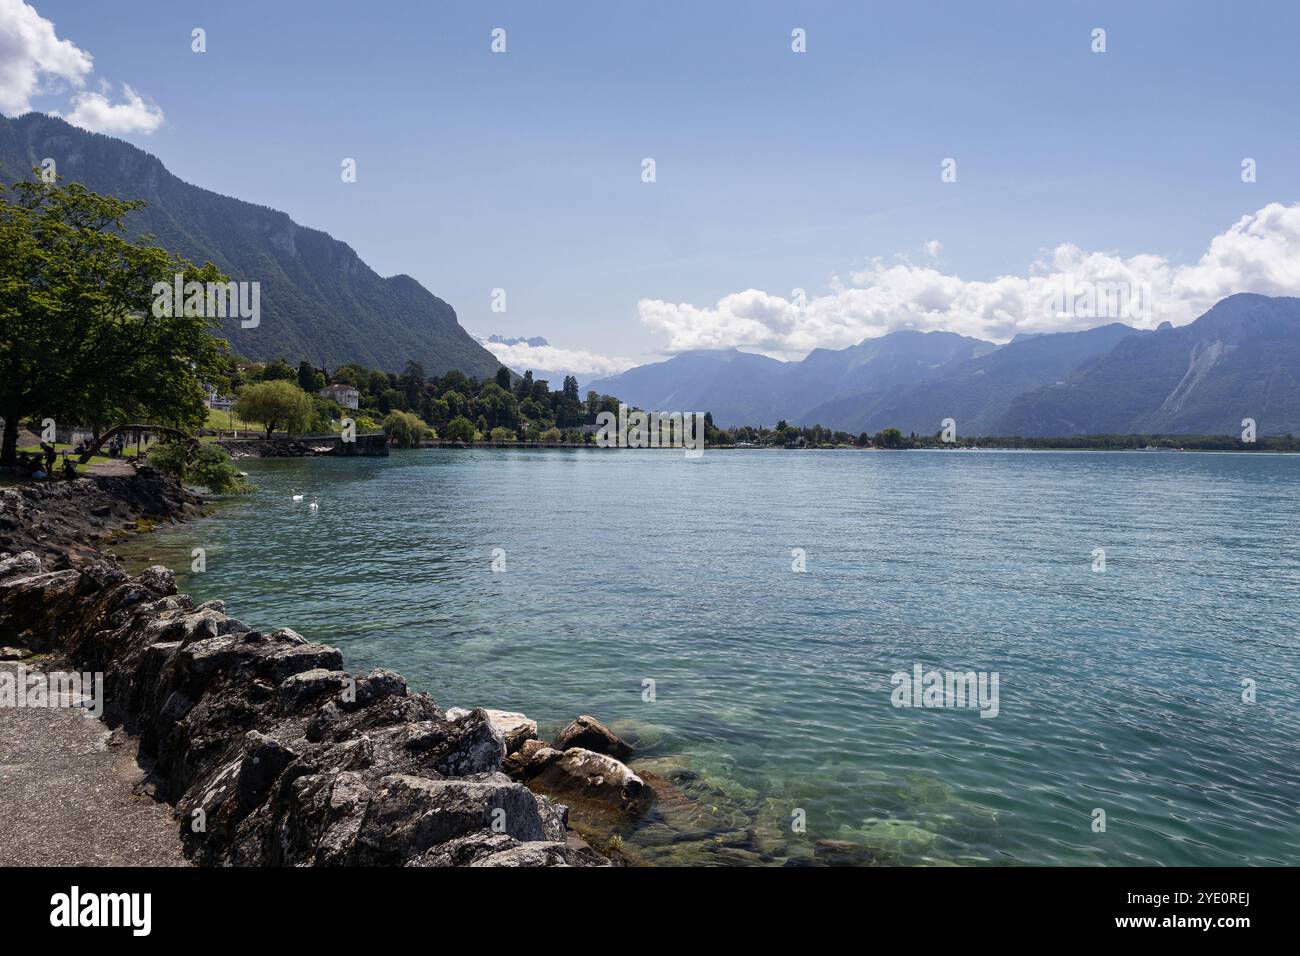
x=514 y=728
x=298 y=690
x=593 y=781
x=589 y=733
x=497 y=849
x=409 y=815
x=529 y=759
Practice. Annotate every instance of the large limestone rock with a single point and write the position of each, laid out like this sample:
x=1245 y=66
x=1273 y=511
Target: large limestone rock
x=409 y=815
x=514 y=728
x=589 y=733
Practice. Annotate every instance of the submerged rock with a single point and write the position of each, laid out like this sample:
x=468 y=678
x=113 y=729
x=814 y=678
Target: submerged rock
x=591 y=781
x=844 y=853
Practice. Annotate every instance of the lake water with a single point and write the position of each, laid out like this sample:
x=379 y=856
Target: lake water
x=1119 y=690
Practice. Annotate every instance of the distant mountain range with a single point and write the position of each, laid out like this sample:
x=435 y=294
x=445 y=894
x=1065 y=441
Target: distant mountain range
x=535 y=342
x=319 y=300
x=1239 y=360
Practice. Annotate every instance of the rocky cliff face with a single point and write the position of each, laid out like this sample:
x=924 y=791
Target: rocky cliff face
x=272 y=753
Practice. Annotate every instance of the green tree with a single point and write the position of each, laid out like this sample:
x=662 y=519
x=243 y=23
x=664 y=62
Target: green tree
x=524 y=388
x=309 y=380
x=498 y=405
x=889 y=438
x=275 y=404
x=277 y=371
x=503 y=377
x=411 y=384
x=79 y=337
x=200 y=463
x=404 y=429
x=345 y=375
x=454 y=380
x=459 y=428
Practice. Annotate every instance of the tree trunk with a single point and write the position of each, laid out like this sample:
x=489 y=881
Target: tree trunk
x=9 y=450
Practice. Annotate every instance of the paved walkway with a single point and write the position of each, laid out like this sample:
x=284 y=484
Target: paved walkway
x=111 y=466
x=72 y=794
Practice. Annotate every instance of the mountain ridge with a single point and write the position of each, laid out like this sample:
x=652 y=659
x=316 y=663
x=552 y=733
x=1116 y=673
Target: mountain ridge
x=1236 y=361
x=320 y=300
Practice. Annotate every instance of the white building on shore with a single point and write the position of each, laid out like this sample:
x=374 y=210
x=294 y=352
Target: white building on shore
x=345 y=395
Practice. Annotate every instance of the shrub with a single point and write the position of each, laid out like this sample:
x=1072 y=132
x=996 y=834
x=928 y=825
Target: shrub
x=503 y=434
x=201 y=463
x=459 y=428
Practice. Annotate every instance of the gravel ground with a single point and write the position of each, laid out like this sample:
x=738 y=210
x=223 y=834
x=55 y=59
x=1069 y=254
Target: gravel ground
x=72 y=793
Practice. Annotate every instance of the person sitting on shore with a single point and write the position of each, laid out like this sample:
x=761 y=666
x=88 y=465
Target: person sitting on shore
x=50 y=456
x=69 y=469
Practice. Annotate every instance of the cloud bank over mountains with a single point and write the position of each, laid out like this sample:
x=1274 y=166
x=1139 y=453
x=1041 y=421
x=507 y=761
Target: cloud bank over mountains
x=35 y=62
x=521 y=354
x=1067 y=289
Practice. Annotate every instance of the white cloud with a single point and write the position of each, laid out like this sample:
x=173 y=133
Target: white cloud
x=587 y=366
x=34 y=62
x=94 y=112
x=1258 y=253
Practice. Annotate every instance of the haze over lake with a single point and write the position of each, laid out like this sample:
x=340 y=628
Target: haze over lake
x=1119 y=689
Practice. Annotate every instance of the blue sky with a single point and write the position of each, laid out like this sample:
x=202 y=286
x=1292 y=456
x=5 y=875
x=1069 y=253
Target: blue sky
x=775 y=170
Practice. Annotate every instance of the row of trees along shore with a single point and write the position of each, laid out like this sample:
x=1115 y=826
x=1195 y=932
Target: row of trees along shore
x=411 y=406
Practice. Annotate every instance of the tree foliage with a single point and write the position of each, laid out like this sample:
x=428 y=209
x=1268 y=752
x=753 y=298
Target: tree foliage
x=79 y=340
x=404 y=429
x=276 y=404
x=205 y=464
x=459 y=428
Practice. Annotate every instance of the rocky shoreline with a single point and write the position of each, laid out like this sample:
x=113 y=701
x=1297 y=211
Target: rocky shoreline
x=269 y=751
x=329 y=446
x=69 y=523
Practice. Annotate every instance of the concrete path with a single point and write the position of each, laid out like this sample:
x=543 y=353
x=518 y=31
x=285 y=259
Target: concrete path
x=72 y=794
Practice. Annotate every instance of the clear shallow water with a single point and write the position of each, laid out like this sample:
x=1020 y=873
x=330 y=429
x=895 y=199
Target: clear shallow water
x=1119 y=690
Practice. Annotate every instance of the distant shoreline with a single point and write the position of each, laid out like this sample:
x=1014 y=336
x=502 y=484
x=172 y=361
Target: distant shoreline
x=1263 y=447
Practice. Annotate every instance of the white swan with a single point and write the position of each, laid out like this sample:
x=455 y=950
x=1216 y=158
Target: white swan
x=296 y=496
x=315 y=505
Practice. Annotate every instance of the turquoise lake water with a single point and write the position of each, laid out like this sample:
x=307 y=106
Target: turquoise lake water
x=1119 y=690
